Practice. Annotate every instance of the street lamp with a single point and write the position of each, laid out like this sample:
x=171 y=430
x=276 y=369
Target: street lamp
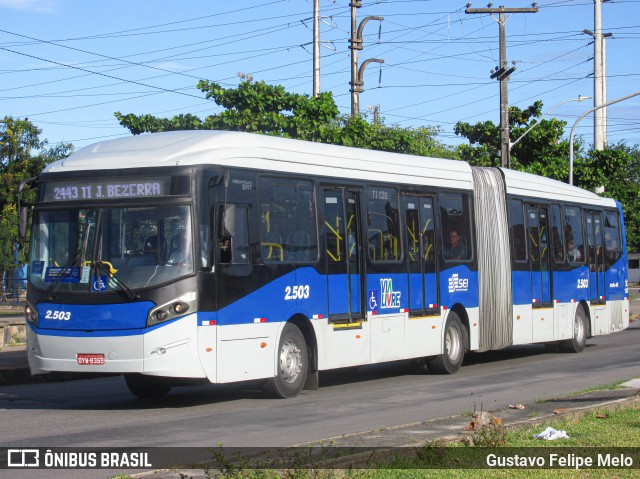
x=580 y=98
x=617 y=100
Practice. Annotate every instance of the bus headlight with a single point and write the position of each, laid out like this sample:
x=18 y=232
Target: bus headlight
x=172 y=309
x=31 y=314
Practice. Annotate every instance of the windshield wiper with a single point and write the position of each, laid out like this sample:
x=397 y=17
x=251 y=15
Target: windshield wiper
x=64 y=272
x=103 y=268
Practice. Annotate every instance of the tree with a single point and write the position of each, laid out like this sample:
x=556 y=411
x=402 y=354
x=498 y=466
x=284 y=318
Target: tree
x=22 y=155
x=271 y=110
x=617 y=168
x=541 y=151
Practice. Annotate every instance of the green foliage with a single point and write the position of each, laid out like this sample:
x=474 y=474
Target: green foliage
x=540 y=151
x=492 y=434
x=271 y=110
x=617 y=168
x=22 y=155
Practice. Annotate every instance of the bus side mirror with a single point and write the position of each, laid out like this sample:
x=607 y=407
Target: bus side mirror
x=22 y=225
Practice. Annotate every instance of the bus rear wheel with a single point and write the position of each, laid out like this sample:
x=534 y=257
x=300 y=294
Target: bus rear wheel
x=579 y=339
x=292 y=364
x=452 y=349
x=147 y=387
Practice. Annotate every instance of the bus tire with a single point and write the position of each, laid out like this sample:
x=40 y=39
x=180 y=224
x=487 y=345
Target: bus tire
x=579 y=339
x=452 y=349
x=147 y=387
x=292 y=364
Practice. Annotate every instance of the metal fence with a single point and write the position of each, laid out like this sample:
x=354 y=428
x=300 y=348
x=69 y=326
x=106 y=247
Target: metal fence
x=12 y=290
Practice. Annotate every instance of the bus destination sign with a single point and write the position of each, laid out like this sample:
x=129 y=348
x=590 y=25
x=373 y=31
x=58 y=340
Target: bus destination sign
x=106 y=189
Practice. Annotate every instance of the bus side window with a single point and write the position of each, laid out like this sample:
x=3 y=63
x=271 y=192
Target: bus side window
x=288 y=225
x=455 y=218
x=557 y=234
x=612 y=239
x=233 y=240
x=573 y=233
x=516 y=226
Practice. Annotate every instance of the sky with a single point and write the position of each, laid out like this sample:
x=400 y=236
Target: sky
x=68 y=65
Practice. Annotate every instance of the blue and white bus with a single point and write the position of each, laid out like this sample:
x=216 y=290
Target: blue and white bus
x=226 y=256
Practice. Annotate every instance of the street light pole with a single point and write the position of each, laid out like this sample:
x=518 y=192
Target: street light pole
x=580 y=98
x=617 y=100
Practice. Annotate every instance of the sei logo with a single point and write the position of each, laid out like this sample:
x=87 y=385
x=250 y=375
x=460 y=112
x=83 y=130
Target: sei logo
x=456 y=283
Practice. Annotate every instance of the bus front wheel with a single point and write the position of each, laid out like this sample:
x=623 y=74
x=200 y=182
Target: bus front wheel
x=452 y=349
x=292 y=363
x=147 y=387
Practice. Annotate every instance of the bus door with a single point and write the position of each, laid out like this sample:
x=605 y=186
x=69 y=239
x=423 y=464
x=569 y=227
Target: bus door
x=424 y=306
x=595 y=260
x=421 y=255
x=343 y=255
x=538 y=238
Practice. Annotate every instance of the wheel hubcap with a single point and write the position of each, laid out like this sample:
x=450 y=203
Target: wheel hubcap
x=290 y=361
x=578 y=329
x=452 y=344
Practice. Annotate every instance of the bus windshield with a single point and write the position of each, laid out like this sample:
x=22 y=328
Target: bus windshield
x=98 y=250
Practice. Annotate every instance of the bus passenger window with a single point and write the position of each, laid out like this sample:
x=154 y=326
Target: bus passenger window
x=288 y=229
x=557 y=234
x=573 y=233
x=516 y=226
x=455 y=217
x=612 y=242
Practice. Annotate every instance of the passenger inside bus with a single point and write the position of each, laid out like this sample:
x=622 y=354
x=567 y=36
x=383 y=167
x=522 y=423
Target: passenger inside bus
x=457 y=249
x=573 y=253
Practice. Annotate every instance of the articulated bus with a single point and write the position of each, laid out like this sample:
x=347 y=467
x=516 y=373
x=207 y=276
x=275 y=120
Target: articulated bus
x=225 y=256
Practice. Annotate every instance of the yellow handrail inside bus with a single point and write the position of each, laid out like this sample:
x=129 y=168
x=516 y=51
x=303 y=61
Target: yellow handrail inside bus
x=274 y=247
x=112 y=270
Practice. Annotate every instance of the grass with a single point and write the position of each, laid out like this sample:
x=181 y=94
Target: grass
x=598 y=428
x=17 y=340
x=613 y=385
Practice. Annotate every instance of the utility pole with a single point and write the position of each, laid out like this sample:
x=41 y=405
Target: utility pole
x=316 y=48
x=502 y=72
x=599 y=77
x=355 y=44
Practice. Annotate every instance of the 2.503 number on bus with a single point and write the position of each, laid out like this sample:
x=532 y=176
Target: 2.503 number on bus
x=296 y=292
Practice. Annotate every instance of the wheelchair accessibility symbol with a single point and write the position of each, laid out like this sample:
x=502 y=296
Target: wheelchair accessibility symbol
x=99 y=284
x=373 y=296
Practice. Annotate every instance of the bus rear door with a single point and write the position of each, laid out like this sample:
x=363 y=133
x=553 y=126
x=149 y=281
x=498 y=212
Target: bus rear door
x=595 y=260
x=541 y=300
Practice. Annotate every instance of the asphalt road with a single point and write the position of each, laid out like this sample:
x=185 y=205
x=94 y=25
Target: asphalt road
x=102 y=412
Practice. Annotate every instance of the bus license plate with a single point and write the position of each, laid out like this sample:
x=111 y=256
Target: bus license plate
x=90 y=359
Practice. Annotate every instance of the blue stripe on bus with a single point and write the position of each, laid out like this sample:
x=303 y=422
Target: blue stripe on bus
x=94 y=317
x=574 y=285
x=301 y=291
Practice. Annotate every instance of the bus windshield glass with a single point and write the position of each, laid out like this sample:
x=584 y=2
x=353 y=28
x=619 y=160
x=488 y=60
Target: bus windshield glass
x=109 y=249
